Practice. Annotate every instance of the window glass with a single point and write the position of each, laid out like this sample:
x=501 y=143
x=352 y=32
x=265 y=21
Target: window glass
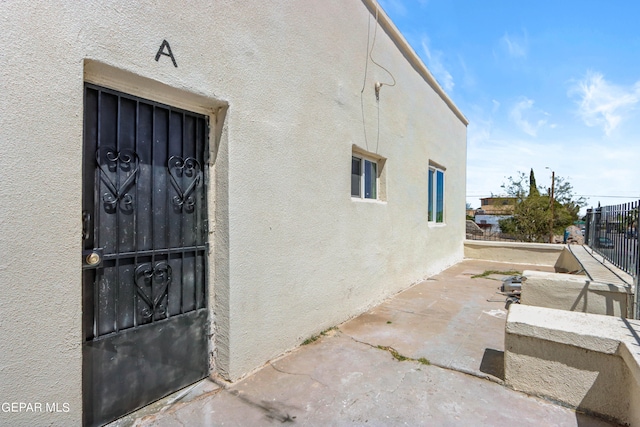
x=430 y=194
x=370 y=175
x=366 y=179
x=355 y=176
x=435 y=190
x=440 y=196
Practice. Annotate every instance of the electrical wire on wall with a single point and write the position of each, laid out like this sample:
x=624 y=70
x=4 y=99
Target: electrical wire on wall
x=364 y=83
x=378 y=85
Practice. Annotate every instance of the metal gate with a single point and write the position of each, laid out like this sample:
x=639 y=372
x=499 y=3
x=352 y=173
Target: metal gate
x=145 y=252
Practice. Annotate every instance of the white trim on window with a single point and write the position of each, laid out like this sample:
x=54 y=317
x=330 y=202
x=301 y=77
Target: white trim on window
x=436 y=195
x=365 y=182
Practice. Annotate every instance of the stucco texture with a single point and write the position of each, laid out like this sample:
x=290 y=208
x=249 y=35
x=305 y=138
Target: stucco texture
x=292 y=253
x=575 y=293
x=586 y=361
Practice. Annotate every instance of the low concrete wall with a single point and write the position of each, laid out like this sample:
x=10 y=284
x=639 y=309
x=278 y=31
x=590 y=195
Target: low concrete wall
x=632 y=360
x=575 y=293
x=567 y=263
x=515 y=252
x=586 y=361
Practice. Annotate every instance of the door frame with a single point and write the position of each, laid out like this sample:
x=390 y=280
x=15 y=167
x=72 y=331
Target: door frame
x=122 y=81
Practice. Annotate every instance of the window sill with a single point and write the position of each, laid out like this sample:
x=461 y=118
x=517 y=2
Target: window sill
x=374 y=201
x=433 y=224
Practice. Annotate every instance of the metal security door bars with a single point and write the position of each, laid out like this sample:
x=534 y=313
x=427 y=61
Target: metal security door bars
x=145 y=251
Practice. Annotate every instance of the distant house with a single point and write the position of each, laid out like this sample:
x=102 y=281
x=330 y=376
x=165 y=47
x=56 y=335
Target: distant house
x=489 y=223
x=195 y=188
x=492 y=210
x=497 y=205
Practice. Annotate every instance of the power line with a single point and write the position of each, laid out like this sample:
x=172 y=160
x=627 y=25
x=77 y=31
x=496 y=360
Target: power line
x=614 y=197
x=574 y=195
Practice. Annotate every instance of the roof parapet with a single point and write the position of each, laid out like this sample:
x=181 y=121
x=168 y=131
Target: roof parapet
x=411 y=55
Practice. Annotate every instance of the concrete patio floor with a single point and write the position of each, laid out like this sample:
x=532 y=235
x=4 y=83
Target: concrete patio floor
x=431 y=355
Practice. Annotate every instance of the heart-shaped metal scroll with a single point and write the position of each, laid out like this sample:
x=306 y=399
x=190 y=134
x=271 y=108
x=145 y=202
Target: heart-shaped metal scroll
x=126 y=161
x=149 y=278
x=185 y=176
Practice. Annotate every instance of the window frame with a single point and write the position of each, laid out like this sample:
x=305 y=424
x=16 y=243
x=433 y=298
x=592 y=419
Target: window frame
x=436 y=212
x=362 y=181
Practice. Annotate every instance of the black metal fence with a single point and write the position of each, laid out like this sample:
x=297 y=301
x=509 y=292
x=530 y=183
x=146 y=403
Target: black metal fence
x=612 y=231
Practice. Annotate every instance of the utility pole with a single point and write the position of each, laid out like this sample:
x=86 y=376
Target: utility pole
x=553 y=180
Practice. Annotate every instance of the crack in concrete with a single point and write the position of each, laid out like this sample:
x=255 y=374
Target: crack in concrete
x=360 y=342
x=299 y=374
x=438 y=365
x=396 y=355
x=404 y=375
x=412 y=312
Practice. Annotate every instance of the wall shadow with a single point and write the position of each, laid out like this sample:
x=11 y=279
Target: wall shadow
x=493 y=363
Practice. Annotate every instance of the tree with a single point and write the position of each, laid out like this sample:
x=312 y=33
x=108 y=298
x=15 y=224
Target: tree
x=530 y=220
x=533 y=189
x=514 y=187
x=532 y=214
x=563 y=193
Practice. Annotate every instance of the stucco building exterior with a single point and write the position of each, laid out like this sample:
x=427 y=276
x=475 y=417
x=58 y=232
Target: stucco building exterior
x=264 y=170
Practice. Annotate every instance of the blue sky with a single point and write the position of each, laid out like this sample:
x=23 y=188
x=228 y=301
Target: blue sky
x=543 y=83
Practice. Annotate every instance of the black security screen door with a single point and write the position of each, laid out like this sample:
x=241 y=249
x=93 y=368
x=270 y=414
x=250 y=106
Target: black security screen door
x=145 y=252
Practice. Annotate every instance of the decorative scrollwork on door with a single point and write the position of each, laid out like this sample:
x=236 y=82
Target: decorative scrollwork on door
x=112 y=162
x=185 y=176
x=152 y=285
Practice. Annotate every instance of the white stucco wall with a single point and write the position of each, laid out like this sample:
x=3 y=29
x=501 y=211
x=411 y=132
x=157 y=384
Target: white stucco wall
x=292 y=253
x=304 y=256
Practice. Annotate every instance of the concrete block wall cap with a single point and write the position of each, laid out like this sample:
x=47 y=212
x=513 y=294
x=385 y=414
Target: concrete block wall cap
x=610 y=287
x=531 y=274
x=588 y=257
x=588 y=342
x=594 y=285
x=589 y=331
x=524 y=245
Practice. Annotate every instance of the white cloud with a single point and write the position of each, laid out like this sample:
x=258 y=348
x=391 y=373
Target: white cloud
x=495 y=153
x=436 y=66
x=528 y=118
x=602 y=103
x=492 y=159
x=468 y=77
x=479 y=132
x=515 y=46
